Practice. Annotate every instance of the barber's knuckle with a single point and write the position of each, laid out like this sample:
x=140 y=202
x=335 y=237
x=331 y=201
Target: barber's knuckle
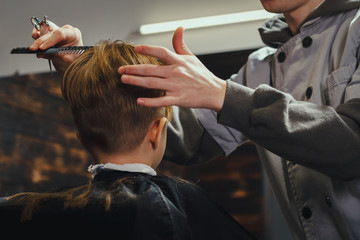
x=77 y=31
x=165 y=53
x=178 y=70
x=60 y=33
x=67 y=26
x=151 y=82
x=39 y=41
x=163 y=49
x=183 y=61
x=159 y=70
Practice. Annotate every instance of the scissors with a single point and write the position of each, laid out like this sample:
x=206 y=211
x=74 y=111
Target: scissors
x=38 y=24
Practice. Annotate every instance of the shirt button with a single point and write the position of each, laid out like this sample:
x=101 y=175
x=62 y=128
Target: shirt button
x=306 y=212
x=308 y=92
x=306 y=42
x=281 y=57
x=328 y=201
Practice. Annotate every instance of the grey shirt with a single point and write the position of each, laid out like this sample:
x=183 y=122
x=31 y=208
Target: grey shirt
x=298 y=100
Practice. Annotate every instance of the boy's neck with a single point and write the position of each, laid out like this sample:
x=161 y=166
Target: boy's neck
x=136 y=156
x=149 y=152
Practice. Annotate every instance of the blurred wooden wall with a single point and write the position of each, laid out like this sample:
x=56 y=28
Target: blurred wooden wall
x=39 y=151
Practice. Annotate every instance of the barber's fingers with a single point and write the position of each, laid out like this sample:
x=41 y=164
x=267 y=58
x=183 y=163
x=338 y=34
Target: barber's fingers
x=179 y=43
x=35 y=34
x=172 y=62
x=66 y=35
x=44 y=30
x=147 y=82
x=157 y=102
x=144 y=70
x=161 y=53
x=62 y=35
x=38 y=42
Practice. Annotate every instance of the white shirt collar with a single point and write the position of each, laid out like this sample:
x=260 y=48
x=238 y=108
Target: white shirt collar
x=129 y=167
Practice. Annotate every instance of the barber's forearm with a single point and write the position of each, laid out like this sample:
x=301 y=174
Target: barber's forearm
x=307 y=134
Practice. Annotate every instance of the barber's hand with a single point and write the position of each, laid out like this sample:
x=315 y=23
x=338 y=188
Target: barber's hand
x=60 y=37
x=187 y=82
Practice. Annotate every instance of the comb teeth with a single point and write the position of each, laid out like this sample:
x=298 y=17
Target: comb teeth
x=52 y=50
x=73 y=50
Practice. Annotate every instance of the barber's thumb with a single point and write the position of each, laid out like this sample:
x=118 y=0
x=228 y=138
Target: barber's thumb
x=179 y=43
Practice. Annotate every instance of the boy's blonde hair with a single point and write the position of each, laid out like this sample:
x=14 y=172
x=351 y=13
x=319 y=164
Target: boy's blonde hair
x=106 y=115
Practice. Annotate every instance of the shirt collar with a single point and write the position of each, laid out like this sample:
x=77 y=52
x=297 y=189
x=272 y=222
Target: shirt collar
x=328 y=7
x=275 y=31
x=129 y=167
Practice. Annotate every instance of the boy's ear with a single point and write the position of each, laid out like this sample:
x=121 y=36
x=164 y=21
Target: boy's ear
x=157 y=129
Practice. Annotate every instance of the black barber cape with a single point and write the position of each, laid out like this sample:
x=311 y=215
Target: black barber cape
x=125 y=205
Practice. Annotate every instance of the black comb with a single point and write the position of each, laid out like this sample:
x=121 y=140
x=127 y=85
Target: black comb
x=52 y=50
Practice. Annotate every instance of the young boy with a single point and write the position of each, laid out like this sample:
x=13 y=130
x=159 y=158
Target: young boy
x=127 y=141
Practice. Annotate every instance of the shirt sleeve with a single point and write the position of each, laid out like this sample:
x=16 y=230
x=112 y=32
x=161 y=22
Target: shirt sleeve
x=318 y=137
x=195 y=136
x=188 y=143
x=227 y=137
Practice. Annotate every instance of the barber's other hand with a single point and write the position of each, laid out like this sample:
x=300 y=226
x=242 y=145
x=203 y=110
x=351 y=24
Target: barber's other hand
x=187 y=82
x=60 y=37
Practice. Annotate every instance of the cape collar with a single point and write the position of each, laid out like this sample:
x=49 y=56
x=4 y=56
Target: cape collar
x=130 y=167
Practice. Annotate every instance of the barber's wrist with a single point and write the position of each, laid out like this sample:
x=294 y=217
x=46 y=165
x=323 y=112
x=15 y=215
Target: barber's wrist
x=219 y=97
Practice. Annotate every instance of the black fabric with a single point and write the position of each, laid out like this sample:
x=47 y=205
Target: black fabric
x=142 y=207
